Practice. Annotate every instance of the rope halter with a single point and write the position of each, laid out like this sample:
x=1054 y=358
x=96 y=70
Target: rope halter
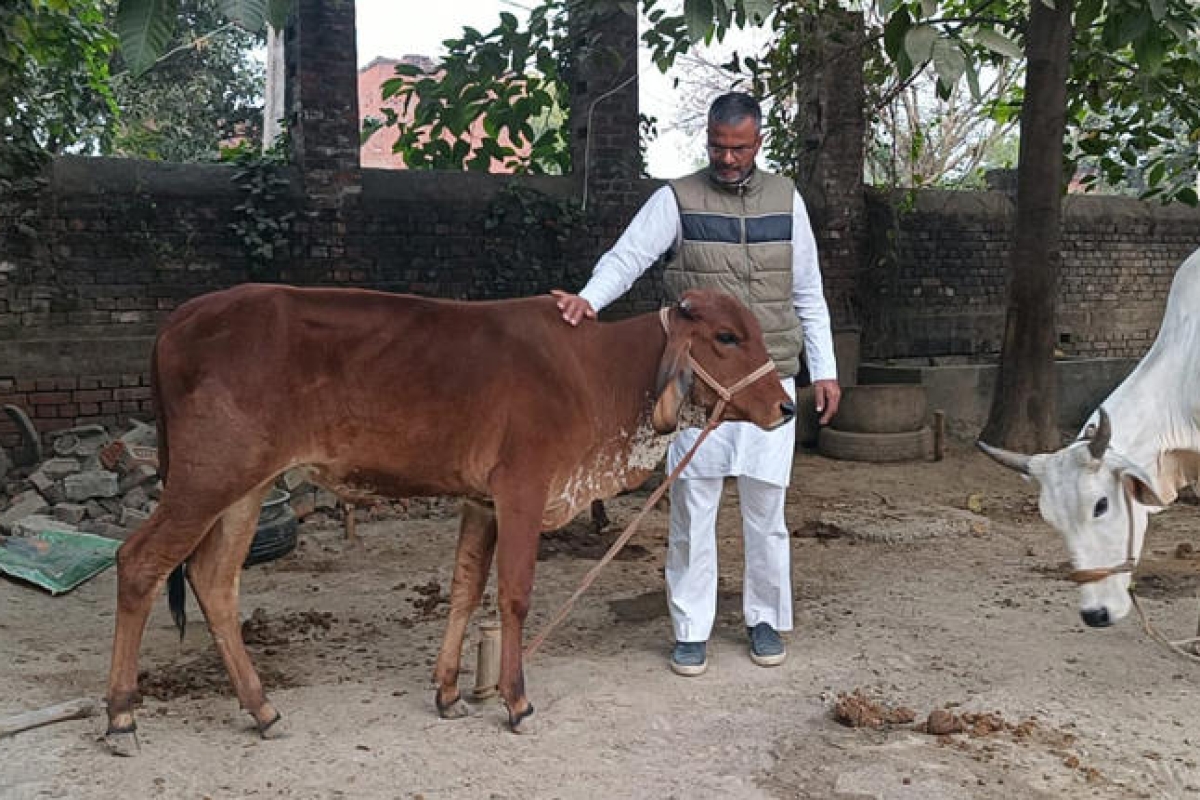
x=725 y=395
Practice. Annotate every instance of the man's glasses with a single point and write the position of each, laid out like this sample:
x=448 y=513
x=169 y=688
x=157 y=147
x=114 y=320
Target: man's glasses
x=737 y=150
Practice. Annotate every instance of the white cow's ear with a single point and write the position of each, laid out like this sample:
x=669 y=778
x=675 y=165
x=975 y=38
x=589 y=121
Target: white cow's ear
x=1137 y=485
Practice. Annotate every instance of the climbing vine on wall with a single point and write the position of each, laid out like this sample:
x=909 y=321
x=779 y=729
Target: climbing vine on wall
x=263 y=224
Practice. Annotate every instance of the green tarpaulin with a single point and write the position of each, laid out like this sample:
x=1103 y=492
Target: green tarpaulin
x=57 y=560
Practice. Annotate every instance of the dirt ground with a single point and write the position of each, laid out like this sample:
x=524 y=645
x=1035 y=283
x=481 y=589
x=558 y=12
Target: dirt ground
x=921 y=588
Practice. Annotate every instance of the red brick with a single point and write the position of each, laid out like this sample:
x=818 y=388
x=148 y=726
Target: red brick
x=90 y=395
x=49 y=398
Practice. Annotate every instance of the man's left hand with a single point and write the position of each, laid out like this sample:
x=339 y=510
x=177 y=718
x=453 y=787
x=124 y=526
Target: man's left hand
x=828 y=396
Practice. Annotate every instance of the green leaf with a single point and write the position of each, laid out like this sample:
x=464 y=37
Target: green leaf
x=973 y=81
x=949 y=62
x=757 y=11
x=144 y=28
x=698 y=15
x=919 y=42
x=1149 y=51
x=998 y=43
x=249 y=15
x=928 y=8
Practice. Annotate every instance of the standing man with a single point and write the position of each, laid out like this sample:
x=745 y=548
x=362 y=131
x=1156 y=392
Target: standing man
x=746 y=232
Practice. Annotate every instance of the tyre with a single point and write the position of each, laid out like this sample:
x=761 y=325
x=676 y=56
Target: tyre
x=881 y=408
x=277 y=530
x=876 y=447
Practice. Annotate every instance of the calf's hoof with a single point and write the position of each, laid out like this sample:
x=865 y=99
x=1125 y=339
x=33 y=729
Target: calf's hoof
x=267 y=721
x=122 y=741
x=523 y=722
x=455 y=709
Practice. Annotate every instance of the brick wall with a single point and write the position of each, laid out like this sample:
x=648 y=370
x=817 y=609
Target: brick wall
x=936 y=268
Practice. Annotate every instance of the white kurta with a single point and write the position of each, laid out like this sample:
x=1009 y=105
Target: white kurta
x=734 y=448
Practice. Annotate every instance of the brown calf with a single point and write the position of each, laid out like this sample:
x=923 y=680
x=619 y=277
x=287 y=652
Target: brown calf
x=381 y=394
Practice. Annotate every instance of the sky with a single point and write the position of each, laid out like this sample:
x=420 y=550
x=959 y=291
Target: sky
x=390 y=28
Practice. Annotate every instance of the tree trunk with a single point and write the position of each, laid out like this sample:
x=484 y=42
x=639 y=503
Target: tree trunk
x=1024 y=409
x=273 y=110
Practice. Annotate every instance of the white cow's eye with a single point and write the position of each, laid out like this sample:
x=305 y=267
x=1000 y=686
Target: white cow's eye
x=1101 y=507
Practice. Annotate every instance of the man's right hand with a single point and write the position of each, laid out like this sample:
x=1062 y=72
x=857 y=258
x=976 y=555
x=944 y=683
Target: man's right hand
x=573 y=307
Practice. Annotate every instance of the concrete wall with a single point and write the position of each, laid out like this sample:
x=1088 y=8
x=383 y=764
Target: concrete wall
x=964 y=391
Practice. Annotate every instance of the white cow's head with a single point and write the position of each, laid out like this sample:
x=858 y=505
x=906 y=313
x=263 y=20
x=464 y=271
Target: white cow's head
x=1098 y=500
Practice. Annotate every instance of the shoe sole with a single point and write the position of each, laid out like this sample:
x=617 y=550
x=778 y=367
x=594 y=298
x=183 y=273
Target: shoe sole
x=768 y=661
x=689 y=670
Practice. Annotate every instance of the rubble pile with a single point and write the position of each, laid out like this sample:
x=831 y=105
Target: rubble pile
x=90 y=481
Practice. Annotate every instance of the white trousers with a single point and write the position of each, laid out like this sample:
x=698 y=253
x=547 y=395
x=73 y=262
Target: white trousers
x=691 y=569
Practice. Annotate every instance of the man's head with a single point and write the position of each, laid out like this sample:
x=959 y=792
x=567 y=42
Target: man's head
x=734 y=137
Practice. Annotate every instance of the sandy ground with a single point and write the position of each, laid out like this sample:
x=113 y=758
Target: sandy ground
x=923 y=586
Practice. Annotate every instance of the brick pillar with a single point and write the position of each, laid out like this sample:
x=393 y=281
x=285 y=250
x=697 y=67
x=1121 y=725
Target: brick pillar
x=829 y=165
x=322 y=99
x=604 y=100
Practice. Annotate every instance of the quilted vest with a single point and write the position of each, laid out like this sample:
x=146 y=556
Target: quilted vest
x=739 y=240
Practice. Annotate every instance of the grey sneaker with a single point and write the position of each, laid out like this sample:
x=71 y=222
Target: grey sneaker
x=689 y=658
x=766 y=648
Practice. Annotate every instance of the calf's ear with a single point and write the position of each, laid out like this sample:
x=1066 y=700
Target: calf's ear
x=674 y=383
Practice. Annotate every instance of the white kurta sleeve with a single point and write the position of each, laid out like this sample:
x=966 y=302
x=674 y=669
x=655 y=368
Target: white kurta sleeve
x=651 y=233
x=808 y=296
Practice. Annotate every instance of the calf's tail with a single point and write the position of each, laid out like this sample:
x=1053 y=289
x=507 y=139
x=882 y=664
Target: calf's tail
x=177 y=597
x=176 y=587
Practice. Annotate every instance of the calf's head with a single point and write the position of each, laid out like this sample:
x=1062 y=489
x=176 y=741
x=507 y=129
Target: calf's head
x=1098 y=500
x=715 y=347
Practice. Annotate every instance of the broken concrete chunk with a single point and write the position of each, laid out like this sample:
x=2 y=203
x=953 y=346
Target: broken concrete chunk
x=59 y=468
x=131 y=518
x=138 y=476
x=95 y=483
x=70 y=513
x=140 y=435
x=23 y=505
x=137 y=497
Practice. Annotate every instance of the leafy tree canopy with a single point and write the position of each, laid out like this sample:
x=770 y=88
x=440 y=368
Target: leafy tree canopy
x=54 y=86
x=205 y=89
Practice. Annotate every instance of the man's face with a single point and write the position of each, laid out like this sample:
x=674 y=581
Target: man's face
x=731 y=150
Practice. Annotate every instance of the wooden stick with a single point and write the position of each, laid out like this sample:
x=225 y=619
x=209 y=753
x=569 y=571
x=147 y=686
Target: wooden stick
x=939 y=435
x=72 y=709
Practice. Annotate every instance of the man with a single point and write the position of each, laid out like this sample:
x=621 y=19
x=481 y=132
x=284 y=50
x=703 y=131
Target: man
x=731 y=227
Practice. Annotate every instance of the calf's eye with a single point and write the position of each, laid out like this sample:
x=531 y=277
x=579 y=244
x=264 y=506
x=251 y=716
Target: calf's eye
x=1101 y=507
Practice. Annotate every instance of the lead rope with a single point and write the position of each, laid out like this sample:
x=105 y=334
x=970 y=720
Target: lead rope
x=1176 y=646
x=625 y=535
x=713 y=421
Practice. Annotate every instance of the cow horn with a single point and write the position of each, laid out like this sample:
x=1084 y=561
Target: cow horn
x=1099 y=441
x=1007 y=458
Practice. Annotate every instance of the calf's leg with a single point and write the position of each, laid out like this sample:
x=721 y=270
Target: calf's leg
x=472 y=562
x=143 y=563
x=214 y=571
x=519 y=516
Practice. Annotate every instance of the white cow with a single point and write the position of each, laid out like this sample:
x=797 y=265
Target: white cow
x=1133 y=456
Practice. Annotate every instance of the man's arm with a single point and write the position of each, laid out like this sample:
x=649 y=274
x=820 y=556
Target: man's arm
x=651 y=233
x=808 y=298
